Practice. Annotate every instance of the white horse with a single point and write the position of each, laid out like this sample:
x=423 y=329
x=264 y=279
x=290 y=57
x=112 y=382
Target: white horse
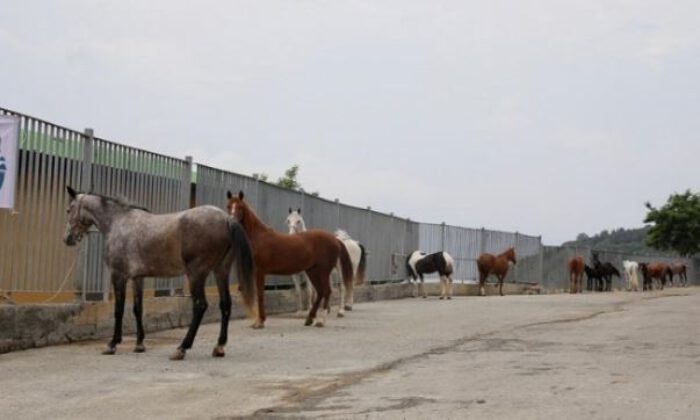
x=358 y=257
x=631 y=268
x=296 y=225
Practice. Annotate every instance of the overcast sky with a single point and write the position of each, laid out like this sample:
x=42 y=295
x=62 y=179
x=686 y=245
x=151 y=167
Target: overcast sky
x=547 y=117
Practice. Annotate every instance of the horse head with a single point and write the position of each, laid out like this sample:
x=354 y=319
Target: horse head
x=510 y=254
x=237 y=206
x=79 y=220
x=295 y=222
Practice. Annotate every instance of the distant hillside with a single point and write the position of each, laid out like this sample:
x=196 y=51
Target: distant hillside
x=622 y=240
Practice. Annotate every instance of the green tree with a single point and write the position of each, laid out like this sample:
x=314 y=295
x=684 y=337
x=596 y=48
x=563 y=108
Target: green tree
x=289 y=180
x=676 y=225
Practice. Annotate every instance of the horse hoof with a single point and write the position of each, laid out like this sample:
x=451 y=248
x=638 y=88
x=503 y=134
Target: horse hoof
x=449 y=297
x=109 y=351
x=179 y=354
x=348 y=307
x=218 y=351
x=258 y=326
x=341 y=315
x=425 y=297
x=140 y=348
x=308 y=322
x=319 y=324
x=441 y=298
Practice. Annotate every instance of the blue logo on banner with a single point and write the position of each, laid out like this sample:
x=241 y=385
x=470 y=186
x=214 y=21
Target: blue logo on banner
x=3 y=167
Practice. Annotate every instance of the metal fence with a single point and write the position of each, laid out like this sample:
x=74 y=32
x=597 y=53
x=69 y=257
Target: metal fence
x=33 y=258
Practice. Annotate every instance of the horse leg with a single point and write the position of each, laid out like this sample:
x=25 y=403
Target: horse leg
x=309 y=291
x=449 y=287
x=572 y=282
x=313 y=279
x=421 y=287
x=443 y=287
x=260 y=286
x=199 y=306
x=580 y=282
x=297 y=287
x=119 y=285
x=350 y=295
x=137 y=285
x=325 y=293
x=225 y=308
x=482 y=281
x=500 y=284
x=341 y=288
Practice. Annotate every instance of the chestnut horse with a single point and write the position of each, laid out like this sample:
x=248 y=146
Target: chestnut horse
x=651 y=271
x=682 y=271
x=576 y=266
x=496 y=265
x=315 y=252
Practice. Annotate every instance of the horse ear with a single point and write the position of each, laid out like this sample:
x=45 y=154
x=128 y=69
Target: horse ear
x=229 y=195
x=71 y=192
x=290 y=210
x=299 y=210
x=240 y=194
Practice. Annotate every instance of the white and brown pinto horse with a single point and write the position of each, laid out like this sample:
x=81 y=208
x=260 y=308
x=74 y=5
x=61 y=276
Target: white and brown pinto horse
x=420 y=263
x=358 y=258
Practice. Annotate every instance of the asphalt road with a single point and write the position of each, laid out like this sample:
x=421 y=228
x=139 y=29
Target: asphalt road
x=614 y=355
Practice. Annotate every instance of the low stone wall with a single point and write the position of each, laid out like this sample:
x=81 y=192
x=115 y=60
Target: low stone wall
x=27 y=326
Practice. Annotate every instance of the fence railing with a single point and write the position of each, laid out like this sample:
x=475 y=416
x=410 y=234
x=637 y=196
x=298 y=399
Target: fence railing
x=35 y=263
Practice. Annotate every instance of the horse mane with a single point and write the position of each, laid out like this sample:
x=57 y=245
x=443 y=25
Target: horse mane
x=251 y=218
x=120 y=201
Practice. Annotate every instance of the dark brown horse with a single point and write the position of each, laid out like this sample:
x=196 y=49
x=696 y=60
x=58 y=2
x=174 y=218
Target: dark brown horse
x=496 y=265
x=681 y=270
x=651 y=271
x=314 y=251
x=576 y=266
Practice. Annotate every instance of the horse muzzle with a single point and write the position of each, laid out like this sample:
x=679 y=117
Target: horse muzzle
x=72 y=240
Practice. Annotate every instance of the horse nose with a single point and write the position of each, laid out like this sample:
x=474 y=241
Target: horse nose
x=69 y=240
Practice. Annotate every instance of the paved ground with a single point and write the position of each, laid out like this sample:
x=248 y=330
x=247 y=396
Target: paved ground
x=619 y=355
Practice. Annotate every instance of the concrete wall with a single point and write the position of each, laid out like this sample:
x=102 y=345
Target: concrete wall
x=27 y=326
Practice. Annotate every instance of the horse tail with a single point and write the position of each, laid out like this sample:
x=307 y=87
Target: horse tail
x=245 y=265
x=409 y=269
x=362 y=266
x=345 y=264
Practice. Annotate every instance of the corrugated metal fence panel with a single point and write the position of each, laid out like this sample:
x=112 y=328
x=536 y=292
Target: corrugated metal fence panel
x=529 y=259
x=463 y=244
x=33 y=257
x=141 y=178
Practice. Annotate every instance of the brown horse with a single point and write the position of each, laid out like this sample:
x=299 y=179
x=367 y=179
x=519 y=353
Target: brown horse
x=496 y=265
x=681 y=270
x=314 y=251
x=651 y=271
x=576 y=266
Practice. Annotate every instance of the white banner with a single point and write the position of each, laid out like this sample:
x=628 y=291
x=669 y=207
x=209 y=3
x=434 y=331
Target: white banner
x=9 y=159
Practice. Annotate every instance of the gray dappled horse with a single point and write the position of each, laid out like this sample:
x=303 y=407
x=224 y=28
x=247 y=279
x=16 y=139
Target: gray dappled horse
x=139 y=244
